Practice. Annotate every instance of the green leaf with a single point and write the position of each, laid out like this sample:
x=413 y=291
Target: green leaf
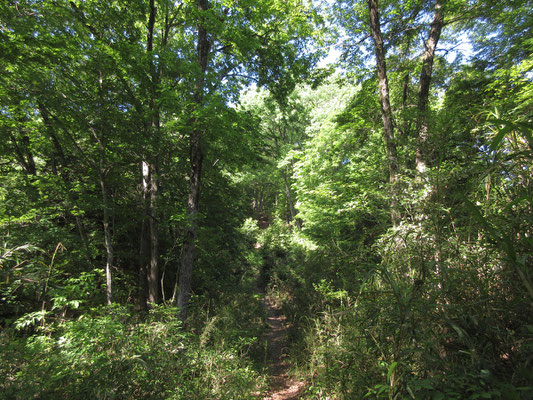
x=496 y=140
x=392 y=367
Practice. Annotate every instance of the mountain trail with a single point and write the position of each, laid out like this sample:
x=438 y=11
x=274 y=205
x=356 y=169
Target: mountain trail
x=283 y=387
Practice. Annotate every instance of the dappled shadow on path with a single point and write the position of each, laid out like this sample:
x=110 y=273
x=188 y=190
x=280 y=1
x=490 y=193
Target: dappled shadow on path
x=283 y=387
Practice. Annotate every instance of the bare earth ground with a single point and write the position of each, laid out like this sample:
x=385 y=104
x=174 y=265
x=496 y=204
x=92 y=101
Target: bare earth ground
x=282 y=386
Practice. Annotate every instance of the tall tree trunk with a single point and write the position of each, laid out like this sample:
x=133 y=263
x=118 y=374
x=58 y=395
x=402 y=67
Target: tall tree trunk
x=422 y=127
x=255 y=200
x=196 y=160
x=290 y=202
x=143 y=243
x=102 y=172
x=151 y=166
x=107 y=237
x=288 y=194
x=187 y=260
x=386 y=112
x=153 y=273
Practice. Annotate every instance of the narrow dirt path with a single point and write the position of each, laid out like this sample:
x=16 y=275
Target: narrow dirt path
x=282 y=386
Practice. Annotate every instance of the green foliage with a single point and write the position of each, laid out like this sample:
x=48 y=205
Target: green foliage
x=430 y=308
x=294 y=200
x=111 y=353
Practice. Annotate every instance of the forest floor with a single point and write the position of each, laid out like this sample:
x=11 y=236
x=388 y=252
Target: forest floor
x=283 y=387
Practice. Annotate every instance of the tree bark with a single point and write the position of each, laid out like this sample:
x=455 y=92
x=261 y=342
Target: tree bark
x=187 y=261
x=386 y=113
x=422 y=126
x=153 y=272
x=196 y=160
x=152 y=166
x=288 y=193
x=102 y=172
x=290 y=202
x=255 y=200
x=66 y=179
x=107 y=238
x=143 y=243
x=23 y=153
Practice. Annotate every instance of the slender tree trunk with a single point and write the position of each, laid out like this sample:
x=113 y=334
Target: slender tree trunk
x=288 y=193
x=143 y=244
x=187 y=261
x=196 y=160
x=49 y=129
x=422 y=127
x=422 y=130
x=29 y=155
x=404 y=128
x=153 y=274
x=66 y=179
x=262 y=199
x=106 y=217
x=386 y=112
x=255 y=202
x=290 y=201
x=102 y=172
x=23 y=153
x=151 y=167
x=107 y=238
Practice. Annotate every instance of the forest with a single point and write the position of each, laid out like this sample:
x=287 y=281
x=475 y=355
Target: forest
x=266 y=199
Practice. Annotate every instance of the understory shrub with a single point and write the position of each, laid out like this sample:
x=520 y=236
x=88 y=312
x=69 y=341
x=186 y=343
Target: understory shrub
x=110 y=353
x=433 y=319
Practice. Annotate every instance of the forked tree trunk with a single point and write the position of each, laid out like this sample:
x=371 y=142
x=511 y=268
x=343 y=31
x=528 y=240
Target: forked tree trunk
x=23 y=152
x=422 y=127
x=386 y=113
x=66 y=179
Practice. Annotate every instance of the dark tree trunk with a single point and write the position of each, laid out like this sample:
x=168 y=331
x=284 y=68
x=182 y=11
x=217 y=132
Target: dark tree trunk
x=422 y=127
x=153 y=272
x=290 y=201
x=290 y=205
x=66 y=179
x=107 y=238
x=49 y=129
x=143 y=243
x=262 y=198
x=386 y=113
x=152 y=166
x=23 y=153
x=29 y=155
x=196 y=160
x=187 y=261
x=102 y=172
x=255 y=201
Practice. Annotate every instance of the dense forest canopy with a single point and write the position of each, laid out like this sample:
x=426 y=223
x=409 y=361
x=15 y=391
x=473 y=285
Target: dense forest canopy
x=171 y=169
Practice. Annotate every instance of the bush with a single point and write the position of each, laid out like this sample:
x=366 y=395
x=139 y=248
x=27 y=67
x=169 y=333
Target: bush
x=111 y=354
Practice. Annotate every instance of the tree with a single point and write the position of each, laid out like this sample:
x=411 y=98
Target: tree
x=233 y=44
x=386 y=112
x=196 y=159
x=430 y=45
x=281 y=133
